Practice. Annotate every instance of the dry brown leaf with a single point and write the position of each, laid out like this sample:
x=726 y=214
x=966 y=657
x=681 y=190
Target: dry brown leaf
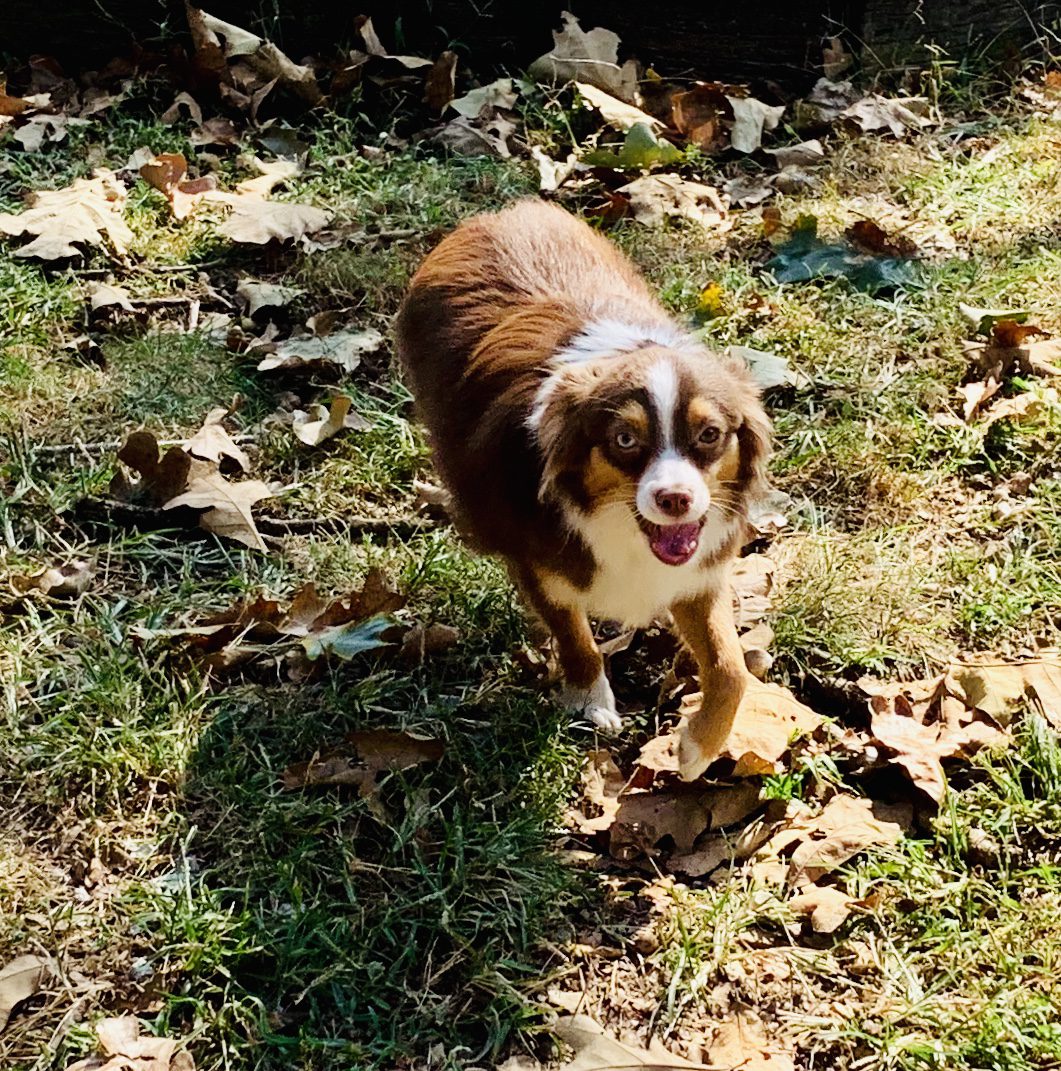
x=499 y=95
x=266 y=61
x=896 y=114
x=213 y=443
x=804 y=154
x=594 y=1050
x=846 y=826
x=768 y=720
x=751 y=118
x=129 y=1050
x=1000 y=689
x=257 y=295
x=1009 y=334
x=167 y=173
x=160 y=480
x=974 y=395
x=751 y=579
x=255 y=222
x=827 y=907
x=655 y=198
x=1027 y=406
x=20 y=980
x=320 y=423
x=616 y=113
x=441 y=82
x=602 y=781
x=85 y=213
x=226 y=506
x=64 y=581
x=873 y=238
x=590 y=56
x=476 y=137
x=742 y=1044
x=425 y=641
x=368 y=754
x=341 y=348
x=104 y=295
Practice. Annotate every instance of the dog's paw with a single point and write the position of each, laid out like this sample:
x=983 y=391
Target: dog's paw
x=692 y=758
x=595 y=703
x=604 y=718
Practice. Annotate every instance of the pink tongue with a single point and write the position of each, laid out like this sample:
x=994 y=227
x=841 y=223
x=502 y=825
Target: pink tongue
x=675 y=544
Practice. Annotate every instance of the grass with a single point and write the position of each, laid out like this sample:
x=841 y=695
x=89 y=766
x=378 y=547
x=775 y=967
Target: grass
x=146 y=843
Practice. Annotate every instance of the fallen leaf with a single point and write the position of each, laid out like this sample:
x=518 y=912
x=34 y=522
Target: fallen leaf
x=590 y=57
x=552 y=174
x=846 y=826
x=320 y=423
x=129 y=1050
x=804 y=154
x=975 y=394
x=500 y=95
x=1041 y=357
x=104 y=295
x=641 y=150
x=167 y=173
x=64 y=581
x=255 y=221
x=616 y=113
x=895 y=114
x=826 y=907
x=655 y=198
x=374 y=47
x=1009 y=334
x=983 y=320
x=182 y=102
x=20 y=980
x=374 y=751
x=476 y=137
x=873 y=238
x=703 y=115
x=425 y=641
x=999 y=689
x=742 y=1043
x=40 y=130
x=594 y=1050
x=85 y=213
x=216 y=131
x=602 y=781
x=261 y=56
x=751 y=579
x=769 y=370
x=341 y=348
x=747 y=190
x=751 y=118
x=256 y=295
x=160 y=480
x=226 y=506
x=213 y=443
x=1028 y=406
x=441 y=82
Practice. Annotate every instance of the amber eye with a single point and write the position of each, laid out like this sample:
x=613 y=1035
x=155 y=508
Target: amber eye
x=710 y=435
x=625 y=440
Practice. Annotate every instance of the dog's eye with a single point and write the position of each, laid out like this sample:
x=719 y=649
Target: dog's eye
x=710 y=435
x=625 y=440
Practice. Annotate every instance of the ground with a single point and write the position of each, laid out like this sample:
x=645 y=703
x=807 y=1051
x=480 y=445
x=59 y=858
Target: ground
x=148 y=845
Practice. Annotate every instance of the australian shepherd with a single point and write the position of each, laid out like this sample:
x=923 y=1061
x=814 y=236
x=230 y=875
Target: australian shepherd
x=604 y=453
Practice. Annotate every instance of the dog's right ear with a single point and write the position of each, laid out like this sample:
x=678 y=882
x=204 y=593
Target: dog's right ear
x=560 y=422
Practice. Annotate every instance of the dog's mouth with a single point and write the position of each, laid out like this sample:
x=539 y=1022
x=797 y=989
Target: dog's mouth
x=673 y=544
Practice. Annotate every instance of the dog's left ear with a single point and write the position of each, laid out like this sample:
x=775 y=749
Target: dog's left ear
x=755 y=438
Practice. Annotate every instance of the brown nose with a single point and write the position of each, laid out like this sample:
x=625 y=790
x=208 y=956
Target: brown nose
x=674 y=503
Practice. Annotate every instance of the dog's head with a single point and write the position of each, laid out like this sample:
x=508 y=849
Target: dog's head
x=676 y=435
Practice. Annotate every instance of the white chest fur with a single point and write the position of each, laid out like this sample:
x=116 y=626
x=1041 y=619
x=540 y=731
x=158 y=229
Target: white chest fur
x=631 y=585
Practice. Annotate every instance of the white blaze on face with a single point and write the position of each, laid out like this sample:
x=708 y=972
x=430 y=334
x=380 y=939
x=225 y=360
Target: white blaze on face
x=669 y=472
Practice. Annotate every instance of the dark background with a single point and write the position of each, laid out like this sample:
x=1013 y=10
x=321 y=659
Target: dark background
x=732 y=40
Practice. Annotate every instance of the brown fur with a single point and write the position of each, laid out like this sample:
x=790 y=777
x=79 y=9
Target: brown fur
x=483 y=317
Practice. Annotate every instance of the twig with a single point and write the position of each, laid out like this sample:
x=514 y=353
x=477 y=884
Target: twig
x=407 y=524
x=114 y=444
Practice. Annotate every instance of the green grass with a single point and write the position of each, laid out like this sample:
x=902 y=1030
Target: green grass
x=311 y=930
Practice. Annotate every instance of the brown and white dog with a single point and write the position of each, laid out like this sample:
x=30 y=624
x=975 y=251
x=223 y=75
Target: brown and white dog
x=588 y=440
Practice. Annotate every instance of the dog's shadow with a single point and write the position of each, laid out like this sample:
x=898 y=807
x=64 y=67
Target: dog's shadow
x=364 y=928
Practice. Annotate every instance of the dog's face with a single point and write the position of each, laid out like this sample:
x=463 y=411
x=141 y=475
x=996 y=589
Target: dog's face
x=674 y=437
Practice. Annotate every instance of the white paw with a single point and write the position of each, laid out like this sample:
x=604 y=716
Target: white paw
x=692 y=759
x=596 y=703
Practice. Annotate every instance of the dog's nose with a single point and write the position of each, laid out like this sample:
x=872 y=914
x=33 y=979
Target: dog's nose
x=675 y=502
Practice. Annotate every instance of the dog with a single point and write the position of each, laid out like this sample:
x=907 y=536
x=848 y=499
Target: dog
x=584 y=437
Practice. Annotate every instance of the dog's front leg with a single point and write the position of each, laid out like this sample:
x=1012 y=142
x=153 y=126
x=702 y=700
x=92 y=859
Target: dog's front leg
x=586 y=688
x=706 y=624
